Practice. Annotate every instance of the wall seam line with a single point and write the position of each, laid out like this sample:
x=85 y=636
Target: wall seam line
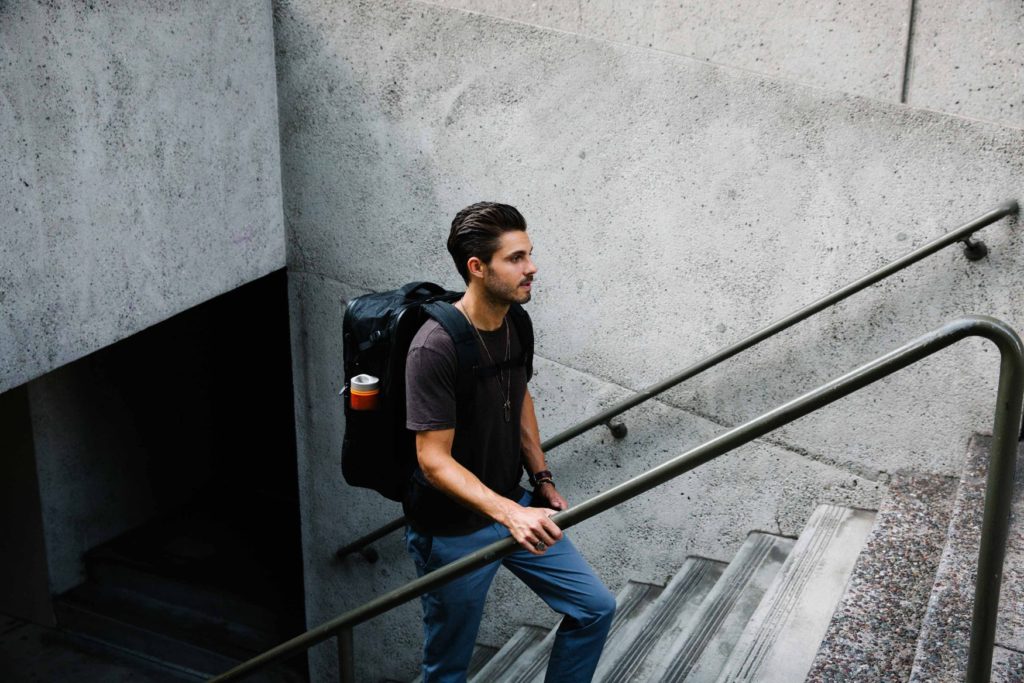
x=729 y=68
x=328 y=277
x=869 y=474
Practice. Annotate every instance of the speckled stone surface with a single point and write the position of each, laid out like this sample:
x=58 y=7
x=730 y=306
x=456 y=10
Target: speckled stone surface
x=945 y=633
x=874 y=631
x=1007 y=666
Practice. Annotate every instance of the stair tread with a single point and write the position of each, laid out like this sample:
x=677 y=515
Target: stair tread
x=518 y=648
x=222 y=630
x=210 y=550
x=694 y=649
x=531 y=665
x=115 y=572
x=781 y=638
x=96 y=631
x=1007 y=666
x=127 y=637
x=632 y=602
x=945 y=631
x=876 y=624
x=626 y=649
x=481 y=655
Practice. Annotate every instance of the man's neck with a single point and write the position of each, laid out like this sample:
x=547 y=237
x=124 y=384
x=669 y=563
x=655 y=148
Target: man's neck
x=486 y=314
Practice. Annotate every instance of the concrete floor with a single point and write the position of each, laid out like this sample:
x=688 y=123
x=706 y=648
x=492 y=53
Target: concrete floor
x=35 y=654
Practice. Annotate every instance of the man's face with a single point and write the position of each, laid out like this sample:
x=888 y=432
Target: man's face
x=508 y=278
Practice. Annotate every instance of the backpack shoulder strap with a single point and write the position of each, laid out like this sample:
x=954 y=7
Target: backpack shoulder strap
x=466 y=351
x=524 y=328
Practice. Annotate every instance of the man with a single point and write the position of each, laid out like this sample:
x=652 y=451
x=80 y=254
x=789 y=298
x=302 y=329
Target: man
x=466 y=493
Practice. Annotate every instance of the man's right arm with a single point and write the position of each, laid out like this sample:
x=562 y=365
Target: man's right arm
x=528 y=526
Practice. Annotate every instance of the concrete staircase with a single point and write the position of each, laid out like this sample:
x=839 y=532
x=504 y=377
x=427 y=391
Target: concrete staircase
x=859 y=596
x=185 y=595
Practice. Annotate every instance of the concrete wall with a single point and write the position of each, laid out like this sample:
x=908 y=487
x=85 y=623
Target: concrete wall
x=676 y=206
x=968 y=59
x=855 y=47
x=141 y=169
x=965 y=58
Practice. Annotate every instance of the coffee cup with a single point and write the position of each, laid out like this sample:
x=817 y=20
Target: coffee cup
x=364 y=392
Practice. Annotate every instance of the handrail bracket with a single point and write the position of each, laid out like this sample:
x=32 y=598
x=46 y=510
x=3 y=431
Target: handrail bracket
x=974 y=249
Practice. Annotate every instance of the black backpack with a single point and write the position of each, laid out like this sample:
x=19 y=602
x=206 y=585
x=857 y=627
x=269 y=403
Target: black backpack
x=378 y=451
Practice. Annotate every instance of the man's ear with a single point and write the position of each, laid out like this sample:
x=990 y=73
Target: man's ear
x=475 y=267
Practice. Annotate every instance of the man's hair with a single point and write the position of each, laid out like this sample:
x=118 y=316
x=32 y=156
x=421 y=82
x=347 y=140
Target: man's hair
x=477 y=230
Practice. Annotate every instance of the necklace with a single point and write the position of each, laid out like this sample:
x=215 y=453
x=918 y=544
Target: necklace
x=507 y=404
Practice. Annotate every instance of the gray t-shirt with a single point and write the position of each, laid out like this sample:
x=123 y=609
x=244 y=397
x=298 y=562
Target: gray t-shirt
x=485 y=443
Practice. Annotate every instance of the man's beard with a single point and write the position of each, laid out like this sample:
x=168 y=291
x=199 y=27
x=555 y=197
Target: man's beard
x=500 y=293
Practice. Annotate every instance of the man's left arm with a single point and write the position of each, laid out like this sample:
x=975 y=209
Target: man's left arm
x=533 y=457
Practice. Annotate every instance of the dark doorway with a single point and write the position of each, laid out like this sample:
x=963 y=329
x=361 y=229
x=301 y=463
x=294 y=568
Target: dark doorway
x=215 y=574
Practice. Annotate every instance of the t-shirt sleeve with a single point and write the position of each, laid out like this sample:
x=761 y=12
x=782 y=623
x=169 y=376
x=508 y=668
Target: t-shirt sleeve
x=430 y=385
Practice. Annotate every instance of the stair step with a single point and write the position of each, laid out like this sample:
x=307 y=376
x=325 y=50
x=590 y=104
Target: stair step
x=111 y=569
x=521 y=646
x=945 y=631
x=126 y=639
x=677 y=602
x=876 y=625
x=695 y=648
x=221 y=631
x=630 y=605
x=175 y=640
x=782 y=636
x=1007 y=666
x=481 y=655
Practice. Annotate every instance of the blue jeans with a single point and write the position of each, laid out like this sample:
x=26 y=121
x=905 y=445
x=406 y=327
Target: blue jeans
x=561 y=577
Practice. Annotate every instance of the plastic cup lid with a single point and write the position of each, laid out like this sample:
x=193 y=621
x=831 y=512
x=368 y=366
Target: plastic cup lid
x=365 y=382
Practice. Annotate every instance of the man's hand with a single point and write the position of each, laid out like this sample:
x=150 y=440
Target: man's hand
x=546 y=492
x=532 y=527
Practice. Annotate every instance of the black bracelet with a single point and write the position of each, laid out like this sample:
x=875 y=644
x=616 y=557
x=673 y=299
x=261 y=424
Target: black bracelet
x=540 y=478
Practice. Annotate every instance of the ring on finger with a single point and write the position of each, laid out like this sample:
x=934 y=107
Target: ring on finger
x=540 y=545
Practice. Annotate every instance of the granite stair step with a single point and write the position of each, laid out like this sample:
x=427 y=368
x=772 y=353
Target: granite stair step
x=677 y=603
x=695 y=646
x=782 y=636
x=941 y=653
x=873 y=633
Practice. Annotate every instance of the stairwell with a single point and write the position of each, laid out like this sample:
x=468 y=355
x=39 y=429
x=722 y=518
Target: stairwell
x=860 y=596
x=191 y=594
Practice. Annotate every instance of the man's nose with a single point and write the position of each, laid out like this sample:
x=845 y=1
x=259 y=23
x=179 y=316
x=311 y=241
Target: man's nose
x=531 y=266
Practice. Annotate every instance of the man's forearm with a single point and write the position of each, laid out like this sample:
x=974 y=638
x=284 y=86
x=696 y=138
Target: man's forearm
x=529 y=526
x=446 y=475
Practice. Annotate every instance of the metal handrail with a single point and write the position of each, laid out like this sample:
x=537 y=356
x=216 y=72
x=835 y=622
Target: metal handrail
x=961 y=234
x=998 y=494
